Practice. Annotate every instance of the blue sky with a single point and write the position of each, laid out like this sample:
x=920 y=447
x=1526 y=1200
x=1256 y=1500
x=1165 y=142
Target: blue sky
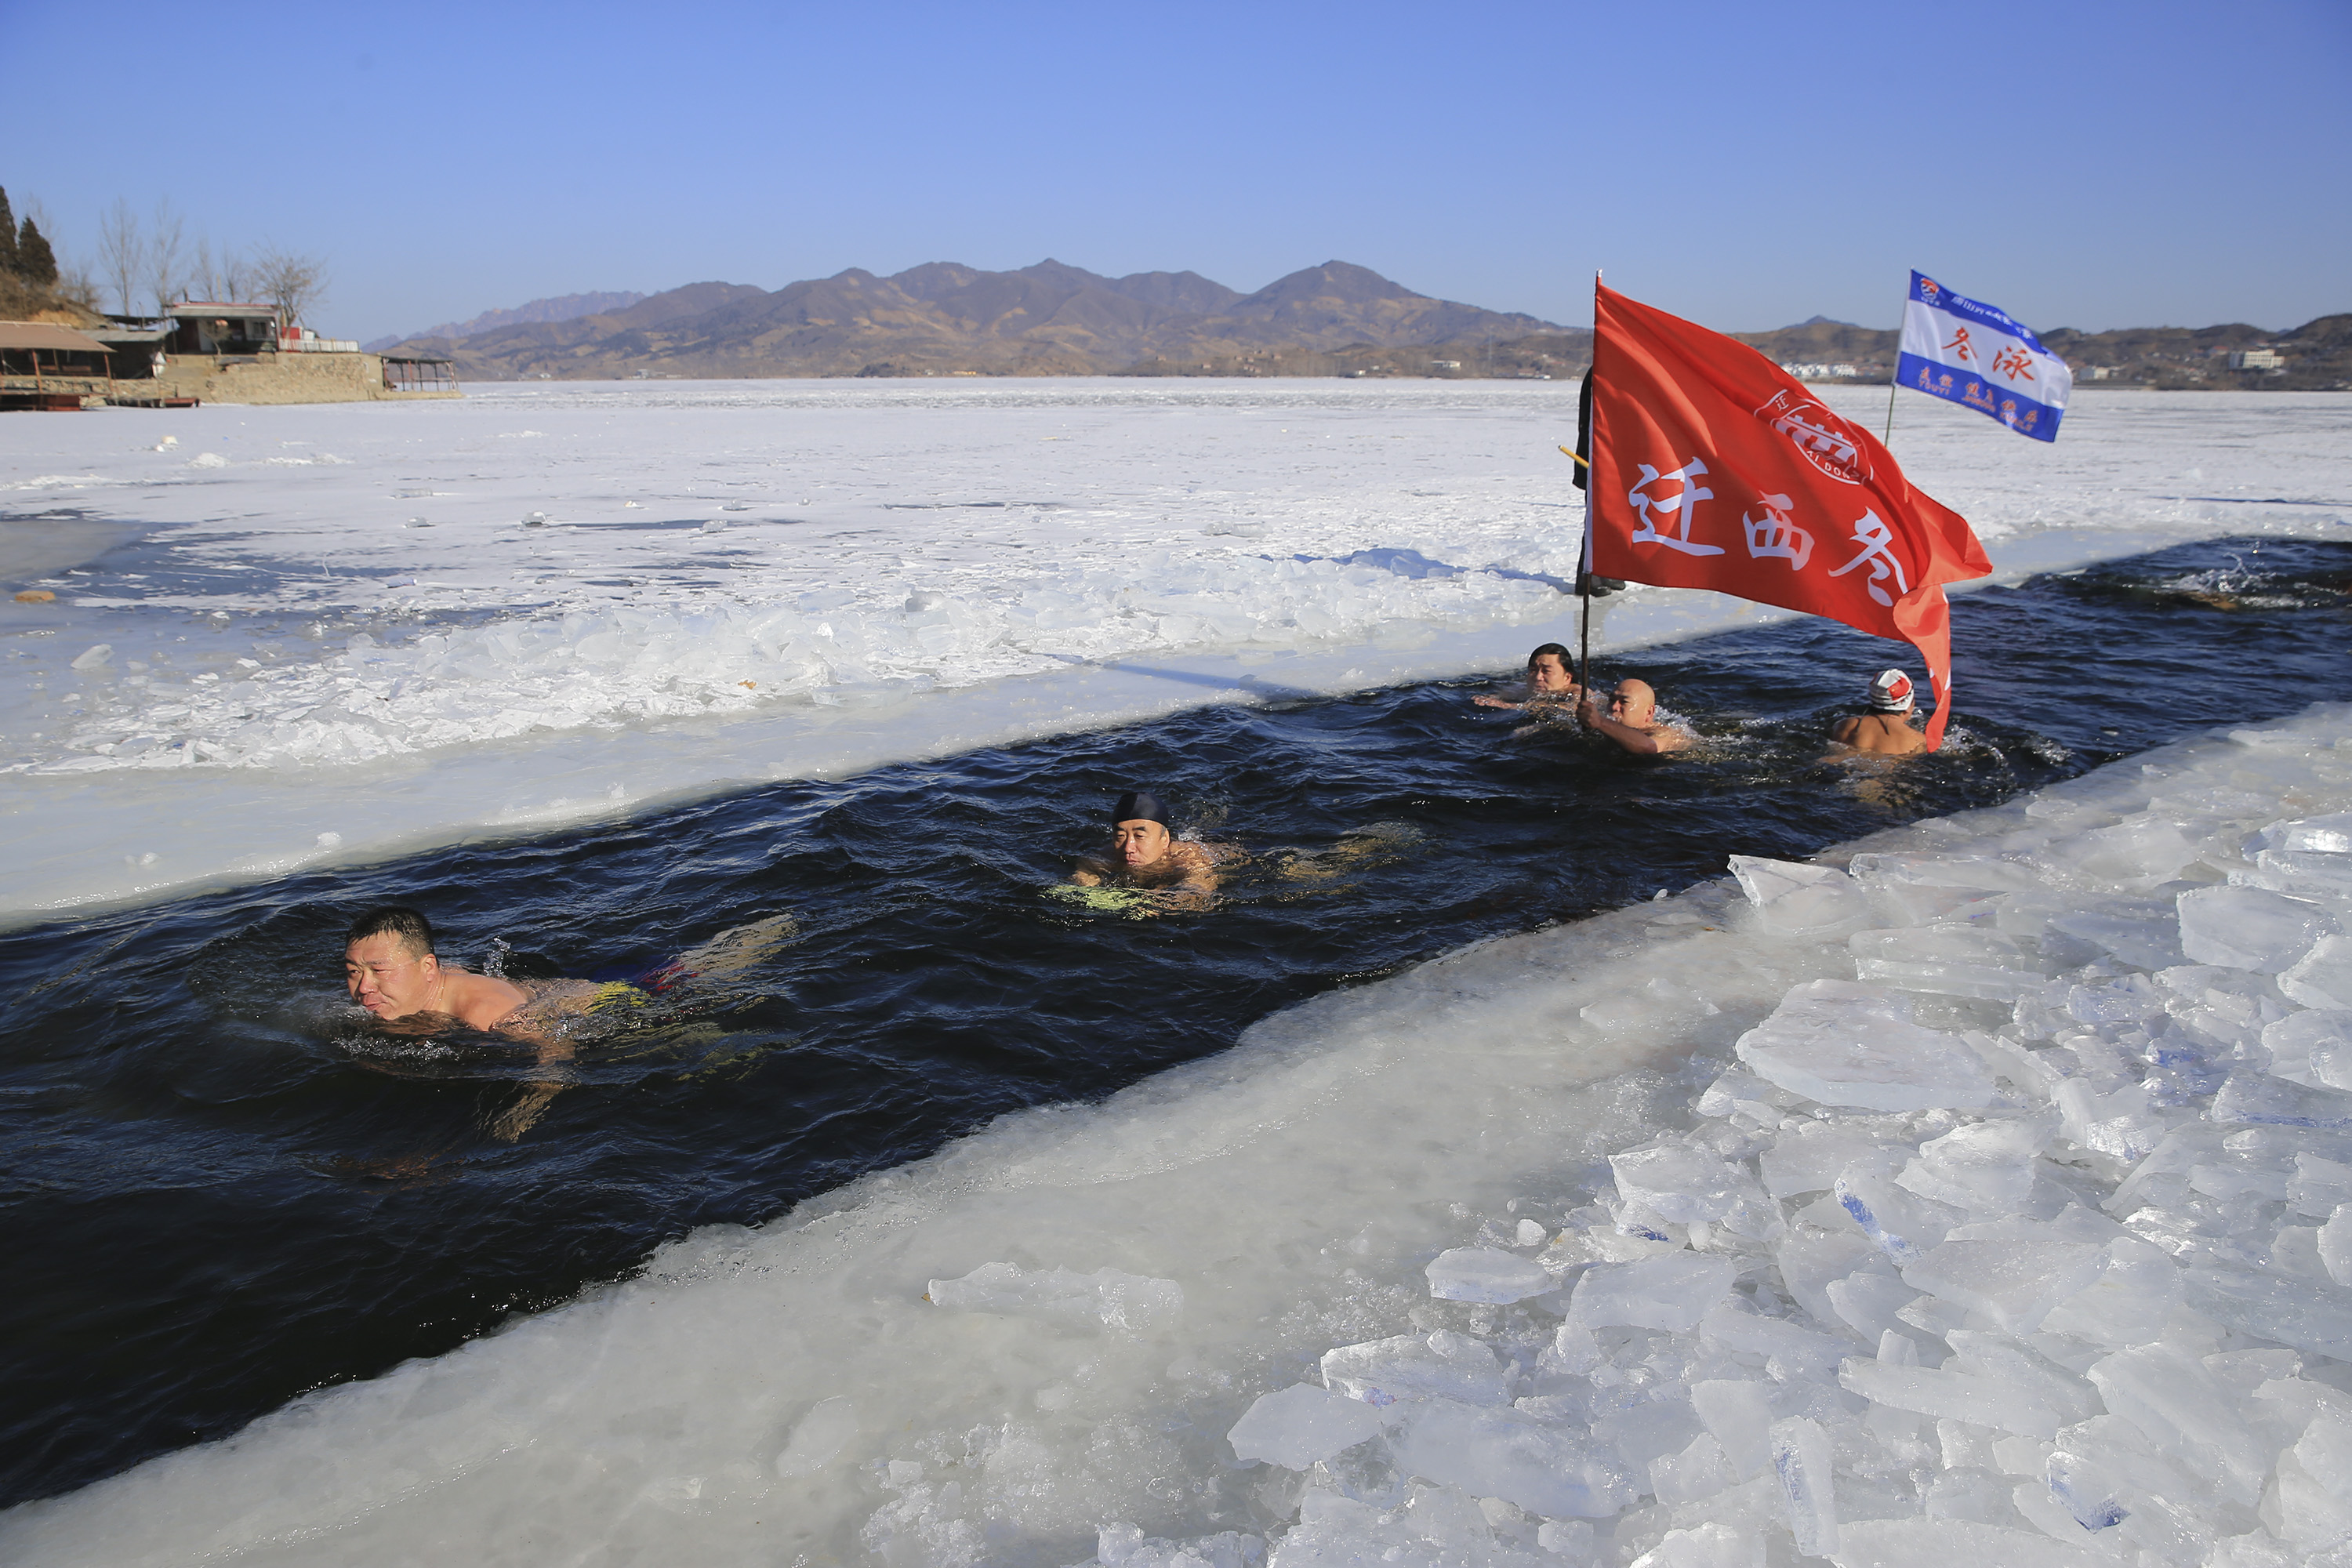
x=1747 y=165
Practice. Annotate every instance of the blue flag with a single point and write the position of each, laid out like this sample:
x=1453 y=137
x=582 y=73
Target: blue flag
x=1964 y=351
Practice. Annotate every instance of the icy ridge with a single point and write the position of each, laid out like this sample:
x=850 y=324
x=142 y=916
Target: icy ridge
x=1980 y=1188
x=604 y=667
x=2072 y=1287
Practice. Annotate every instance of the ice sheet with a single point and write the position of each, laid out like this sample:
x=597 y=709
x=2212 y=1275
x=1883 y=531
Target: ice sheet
x=2116 y=1357
x=405 y=625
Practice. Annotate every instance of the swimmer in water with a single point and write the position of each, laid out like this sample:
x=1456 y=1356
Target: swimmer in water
x=1885 y=731
x=1551 y=685
x=1633 y=722
x=392 y=970
x=1144 y=853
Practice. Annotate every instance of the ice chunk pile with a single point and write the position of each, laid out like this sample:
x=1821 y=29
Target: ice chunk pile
x=2033 y=1245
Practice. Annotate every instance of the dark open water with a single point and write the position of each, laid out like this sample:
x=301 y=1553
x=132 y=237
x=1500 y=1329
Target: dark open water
x=209 y=1204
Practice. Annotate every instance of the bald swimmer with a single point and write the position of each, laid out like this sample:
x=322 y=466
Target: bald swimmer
x=1632 y=720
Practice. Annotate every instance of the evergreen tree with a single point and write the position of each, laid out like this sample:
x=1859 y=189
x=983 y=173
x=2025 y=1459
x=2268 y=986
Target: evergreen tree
x=34 y=259
x=7 y=235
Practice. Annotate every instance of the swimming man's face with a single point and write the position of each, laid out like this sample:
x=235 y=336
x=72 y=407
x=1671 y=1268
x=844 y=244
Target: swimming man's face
x=385 y=978
x=1547 y=674
x=1138 y=843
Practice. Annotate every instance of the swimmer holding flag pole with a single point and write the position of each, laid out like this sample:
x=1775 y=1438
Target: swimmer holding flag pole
x=1712 y=468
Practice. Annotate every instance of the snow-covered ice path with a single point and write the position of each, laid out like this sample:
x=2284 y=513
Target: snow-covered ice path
x=1985 y=1186
x=289 y=635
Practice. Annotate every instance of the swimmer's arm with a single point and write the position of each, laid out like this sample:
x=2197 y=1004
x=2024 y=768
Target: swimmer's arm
x=1844 y=731
x=1089 y=873
x=1666 y=738
x=1641 y=742
x=1490 y=700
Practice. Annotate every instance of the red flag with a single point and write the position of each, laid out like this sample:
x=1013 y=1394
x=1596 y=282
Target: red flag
x=1712 y=468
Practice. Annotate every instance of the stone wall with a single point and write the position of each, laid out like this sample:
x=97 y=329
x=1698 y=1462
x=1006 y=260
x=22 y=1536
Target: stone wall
x=272 y=378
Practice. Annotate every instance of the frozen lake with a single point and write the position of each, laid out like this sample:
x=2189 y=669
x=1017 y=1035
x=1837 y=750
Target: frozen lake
x=1976 y=1186
x=285 y=635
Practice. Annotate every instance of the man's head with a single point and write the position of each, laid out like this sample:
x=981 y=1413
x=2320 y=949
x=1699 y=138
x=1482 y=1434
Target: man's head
x=1890 y=692
x=1634 y=703
x=1549 y=669
x=1139 y=833
x=388 y=960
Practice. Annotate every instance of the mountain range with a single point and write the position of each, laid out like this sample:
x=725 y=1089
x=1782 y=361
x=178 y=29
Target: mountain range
x=1338 y=318
x=945 y=319
x=563 y=307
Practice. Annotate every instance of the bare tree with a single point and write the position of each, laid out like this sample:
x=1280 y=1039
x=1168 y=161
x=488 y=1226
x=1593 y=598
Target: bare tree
x=165 y=264
x=122 y=251
x=235 y=276
x=291 y=282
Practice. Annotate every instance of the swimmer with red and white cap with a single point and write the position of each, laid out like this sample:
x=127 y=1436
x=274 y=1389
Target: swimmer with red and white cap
x=1885 y=731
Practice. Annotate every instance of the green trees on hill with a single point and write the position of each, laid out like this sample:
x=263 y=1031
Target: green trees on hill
x=25 y=252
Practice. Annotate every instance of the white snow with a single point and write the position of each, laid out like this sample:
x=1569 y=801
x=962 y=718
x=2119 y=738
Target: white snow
x=406 y=625
x=2094 y=1317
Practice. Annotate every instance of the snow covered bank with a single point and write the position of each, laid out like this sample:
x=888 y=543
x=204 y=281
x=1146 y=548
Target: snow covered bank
x=295 y=633
x=1979 y=1187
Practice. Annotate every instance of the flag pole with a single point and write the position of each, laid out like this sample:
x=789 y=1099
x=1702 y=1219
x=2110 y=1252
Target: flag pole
x=1893 y=385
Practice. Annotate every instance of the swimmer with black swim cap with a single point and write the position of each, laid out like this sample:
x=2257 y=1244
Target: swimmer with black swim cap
x=1145 y=853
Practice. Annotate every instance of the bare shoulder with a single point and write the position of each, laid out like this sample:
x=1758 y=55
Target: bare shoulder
x=1671 y=737
x=1844 y=731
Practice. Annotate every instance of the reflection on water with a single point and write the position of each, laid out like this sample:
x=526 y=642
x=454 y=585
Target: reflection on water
x=221 y=1189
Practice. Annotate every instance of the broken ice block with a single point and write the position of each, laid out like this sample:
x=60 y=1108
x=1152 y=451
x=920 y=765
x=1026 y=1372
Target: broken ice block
x=1131 y=1301
x=1446 y=1364
x=2336 y=1244
x=2248 y=928
x=2262 y=1100
x=2323 y=978
x=1870 y=1302
x=1949 y=960
x=1738 y=1415
x=2144 y=850
x=2013 y=1279
x=1925 y=1543
x=1987 y=1168
x=1505 y=1454
x=1708 y=1545
x=1844 y=1043
x=1692 y=1186
x=2312 y=1047
x=1671 y=1292
x=1800 y=1461
x=1295 y=1427
x=2311 y=834
x=1949 y=1396
x=1900 y=1224
x=1699 y=1471
x=1798 y=899
x=2177 y=1401
x=2309 y=1314
x=1810 y=1158
x=1485 y=1273
x=1802 y=1351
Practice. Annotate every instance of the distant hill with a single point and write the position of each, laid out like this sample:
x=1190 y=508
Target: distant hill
x=563 y=307
x=1338 y=318
x=942 y=318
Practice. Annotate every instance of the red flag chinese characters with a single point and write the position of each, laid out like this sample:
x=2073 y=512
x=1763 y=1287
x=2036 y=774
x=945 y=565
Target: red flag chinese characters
x=1714 y=468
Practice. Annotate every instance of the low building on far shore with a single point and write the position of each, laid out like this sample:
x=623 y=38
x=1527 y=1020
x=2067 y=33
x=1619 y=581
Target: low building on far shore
x=203 y=351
